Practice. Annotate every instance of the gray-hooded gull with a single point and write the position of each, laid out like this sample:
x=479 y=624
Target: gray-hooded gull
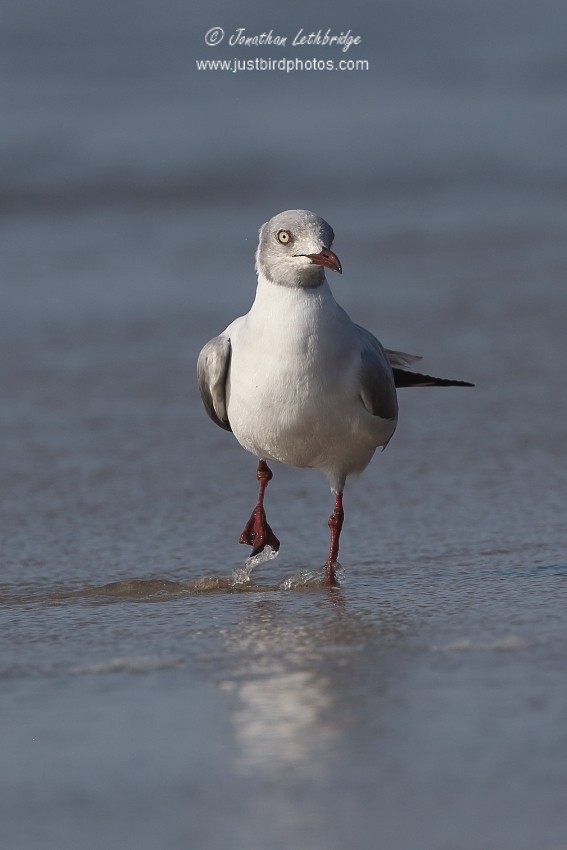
x=296 y=380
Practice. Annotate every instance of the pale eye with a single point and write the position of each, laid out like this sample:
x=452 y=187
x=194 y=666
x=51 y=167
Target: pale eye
x=284 y=236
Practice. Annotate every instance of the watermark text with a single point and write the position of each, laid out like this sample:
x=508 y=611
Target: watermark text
x=235 y=65
x=317 y=38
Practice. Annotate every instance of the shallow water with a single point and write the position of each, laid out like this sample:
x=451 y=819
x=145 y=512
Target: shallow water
x=150 y=695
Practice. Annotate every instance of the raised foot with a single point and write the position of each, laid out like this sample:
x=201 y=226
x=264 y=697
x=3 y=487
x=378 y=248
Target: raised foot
x=257 y=533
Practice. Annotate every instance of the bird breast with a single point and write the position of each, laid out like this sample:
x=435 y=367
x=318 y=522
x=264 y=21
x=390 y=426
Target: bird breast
x=293 y=395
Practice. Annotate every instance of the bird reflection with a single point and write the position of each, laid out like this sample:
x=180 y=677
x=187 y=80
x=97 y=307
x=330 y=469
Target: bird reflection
x=282 y=687
x=280 y=723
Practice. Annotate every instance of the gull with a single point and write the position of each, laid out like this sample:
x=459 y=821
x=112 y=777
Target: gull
x=297 y=381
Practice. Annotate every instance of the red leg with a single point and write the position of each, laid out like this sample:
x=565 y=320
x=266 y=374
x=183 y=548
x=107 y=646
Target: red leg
x=335 y=524
x=257 y=533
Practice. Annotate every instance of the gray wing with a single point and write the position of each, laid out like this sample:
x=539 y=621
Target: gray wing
x=212 y=371
x=377 y=388
x=401 y=360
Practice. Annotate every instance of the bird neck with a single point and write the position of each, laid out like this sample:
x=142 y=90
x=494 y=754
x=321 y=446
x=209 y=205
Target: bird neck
x=290 y=311
x=275 y=296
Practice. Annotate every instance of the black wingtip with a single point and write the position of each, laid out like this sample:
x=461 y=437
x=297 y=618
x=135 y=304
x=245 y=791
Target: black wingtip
x=403 y=378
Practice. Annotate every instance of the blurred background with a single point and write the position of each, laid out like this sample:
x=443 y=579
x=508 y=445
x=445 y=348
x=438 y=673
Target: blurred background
x=132 y=187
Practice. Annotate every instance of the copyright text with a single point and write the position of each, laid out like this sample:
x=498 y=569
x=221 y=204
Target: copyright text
x=319 y=38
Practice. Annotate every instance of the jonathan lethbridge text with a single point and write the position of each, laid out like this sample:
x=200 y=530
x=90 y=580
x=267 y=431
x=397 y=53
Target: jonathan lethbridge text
x=319 y=38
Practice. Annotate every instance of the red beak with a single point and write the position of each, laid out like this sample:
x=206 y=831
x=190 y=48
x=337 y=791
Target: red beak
x=326 y=258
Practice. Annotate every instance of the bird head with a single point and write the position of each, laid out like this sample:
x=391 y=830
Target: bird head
x=295 y=248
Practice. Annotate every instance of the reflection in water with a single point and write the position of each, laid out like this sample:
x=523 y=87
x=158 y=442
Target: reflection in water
x=281 y=723
x=285 y=662
x=285 y=680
